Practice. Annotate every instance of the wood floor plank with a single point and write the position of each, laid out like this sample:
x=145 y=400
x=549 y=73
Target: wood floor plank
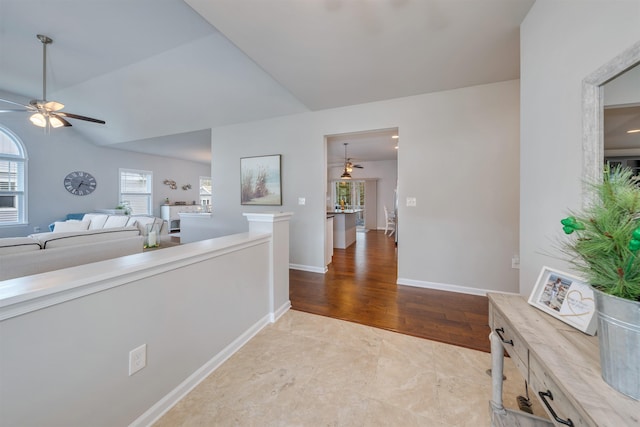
x=360 y=287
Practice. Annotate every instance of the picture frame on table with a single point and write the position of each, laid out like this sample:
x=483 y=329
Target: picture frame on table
x=260 y=180
x=565 y=297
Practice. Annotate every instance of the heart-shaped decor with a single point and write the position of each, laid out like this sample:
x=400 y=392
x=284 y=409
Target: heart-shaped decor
x=578 y=304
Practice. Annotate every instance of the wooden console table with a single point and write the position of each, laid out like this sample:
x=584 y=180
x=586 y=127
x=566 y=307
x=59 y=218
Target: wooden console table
x=561 y=365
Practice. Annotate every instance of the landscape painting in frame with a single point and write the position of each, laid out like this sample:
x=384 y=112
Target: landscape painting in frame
x=260 y=181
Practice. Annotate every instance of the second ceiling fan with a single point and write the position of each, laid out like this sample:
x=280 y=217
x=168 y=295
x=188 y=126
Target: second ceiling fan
x=348 y=165
x=47 y=114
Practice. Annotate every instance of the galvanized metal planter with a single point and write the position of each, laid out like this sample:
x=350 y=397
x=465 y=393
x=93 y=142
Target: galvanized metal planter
x=619 y=340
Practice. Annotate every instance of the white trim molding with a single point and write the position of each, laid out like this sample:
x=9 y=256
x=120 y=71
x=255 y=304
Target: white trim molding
x=309 y=268
x=280 y=311
x=446 y=287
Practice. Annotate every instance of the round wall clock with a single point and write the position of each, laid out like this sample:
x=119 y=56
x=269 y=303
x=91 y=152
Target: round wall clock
x=80 y=183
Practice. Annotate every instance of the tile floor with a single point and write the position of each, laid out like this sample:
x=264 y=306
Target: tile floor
x=309 y=370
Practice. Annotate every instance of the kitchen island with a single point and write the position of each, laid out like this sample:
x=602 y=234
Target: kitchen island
x=344 y=227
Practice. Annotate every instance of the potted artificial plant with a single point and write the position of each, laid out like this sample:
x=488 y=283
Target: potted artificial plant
x=605 y=248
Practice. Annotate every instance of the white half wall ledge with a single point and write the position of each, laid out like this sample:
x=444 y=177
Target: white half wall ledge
x=27 y=294
x=268 y=216
x=69 y=315
x=449 y=288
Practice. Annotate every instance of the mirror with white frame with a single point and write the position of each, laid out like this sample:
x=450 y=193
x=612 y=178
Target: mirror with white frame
x=593 y=113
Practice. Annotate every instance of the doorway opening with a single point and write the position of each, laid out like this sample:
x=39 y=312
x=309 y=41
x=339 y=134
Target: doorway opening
x=362 y=171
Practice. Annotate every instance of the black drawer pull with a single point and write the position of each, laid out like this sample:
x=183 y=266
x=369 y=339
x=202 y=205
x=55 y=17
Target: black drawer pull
x=555 y=416
x=500 y=331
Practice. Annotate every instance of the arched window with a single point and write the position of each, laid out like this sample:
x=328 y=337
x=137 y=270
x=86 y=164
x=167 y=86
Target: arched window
x=13 y=166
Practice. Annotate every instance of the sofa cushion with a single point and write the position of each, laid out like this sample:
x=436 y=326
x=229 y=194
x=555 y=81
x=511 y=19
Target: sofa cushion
x=116 y=221
x=14 y=245
x=56 y=240
x=70 y=225
x=97 y=220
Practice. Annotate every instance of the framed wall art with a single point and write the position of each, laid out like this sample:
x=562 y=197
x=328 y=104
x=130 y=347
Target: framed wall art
x=260 y=180
x=567 y=298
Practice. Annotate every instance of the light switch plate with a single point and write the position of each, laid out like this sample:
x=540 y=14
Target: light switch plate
x=411 y=201
x=301 y=200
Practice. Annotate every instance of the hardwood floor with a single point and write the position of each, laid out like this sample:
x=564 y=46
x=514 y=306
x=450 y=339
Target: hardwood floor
x=360 y=286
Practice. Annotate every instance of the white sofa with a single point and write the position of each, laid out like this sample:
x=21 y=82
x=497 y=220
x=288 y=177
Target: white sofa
x=95 y=237
x=98 y=221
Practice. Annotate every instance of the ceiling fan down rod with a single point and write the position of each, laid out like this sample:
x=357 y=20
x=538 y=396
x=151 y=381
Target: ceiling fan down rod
x=45 y=41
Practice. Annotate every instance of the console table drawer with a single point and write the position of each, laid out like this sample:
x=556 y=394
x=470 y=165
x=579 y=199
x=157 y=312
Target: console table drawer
x=541 y=382
x=511 y=341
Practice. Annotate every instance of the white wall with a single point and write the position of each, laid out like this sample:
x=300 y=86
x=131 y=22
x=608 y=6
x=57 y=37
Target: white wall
x=459 y=158
x=385 y=171
x=562 y=41
x=52 y=157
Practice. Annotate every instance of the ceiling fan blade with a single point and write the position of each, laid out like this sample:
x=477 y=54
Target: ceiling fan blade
x=13 y=110
x=53 y=106
x=14 y=103
x=76 y=116
x=351 y=164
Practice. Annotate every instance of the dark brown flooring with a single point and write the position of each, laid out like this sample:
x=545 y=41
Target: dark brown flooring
x=360 y=287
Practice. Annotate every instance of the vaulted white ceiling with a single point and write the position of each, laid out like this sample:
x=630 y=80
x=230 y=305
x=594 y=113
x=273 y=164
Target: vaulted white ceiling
x=161 y=73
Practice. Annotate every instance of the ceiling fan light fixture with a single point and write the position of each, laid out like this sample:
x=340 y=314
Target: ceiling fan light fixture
x=38 y=120
x=55 y=122
x=43 y=121
x=53 y=106
x=345 y=175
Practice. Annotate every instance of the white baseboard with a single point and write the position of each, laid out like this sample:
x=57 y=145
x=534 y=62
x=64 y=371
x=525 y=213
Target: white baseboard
x=154 y=413
x=280 y=311
x=308 y=268
x=443 y=287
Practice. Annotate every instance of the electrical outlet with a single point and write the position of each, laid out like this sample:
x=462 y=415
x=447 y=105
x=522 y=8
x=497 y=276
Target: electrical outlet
x=515 y=261
x=411 y=201
x=36 y=229
x=302 y=201
x=137 y=359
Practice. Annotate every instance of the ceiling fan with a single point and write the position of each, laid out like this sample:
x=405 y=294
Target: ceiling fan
x=47 y=114
x=348 y=165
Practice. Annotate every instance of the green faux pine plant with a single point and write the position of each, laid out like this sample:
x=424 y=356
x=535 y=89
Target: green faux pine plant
x=606 y=236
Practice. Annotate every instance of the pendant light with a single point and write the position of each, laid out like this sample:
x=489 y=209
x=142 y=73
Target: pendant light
x=345 y=173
